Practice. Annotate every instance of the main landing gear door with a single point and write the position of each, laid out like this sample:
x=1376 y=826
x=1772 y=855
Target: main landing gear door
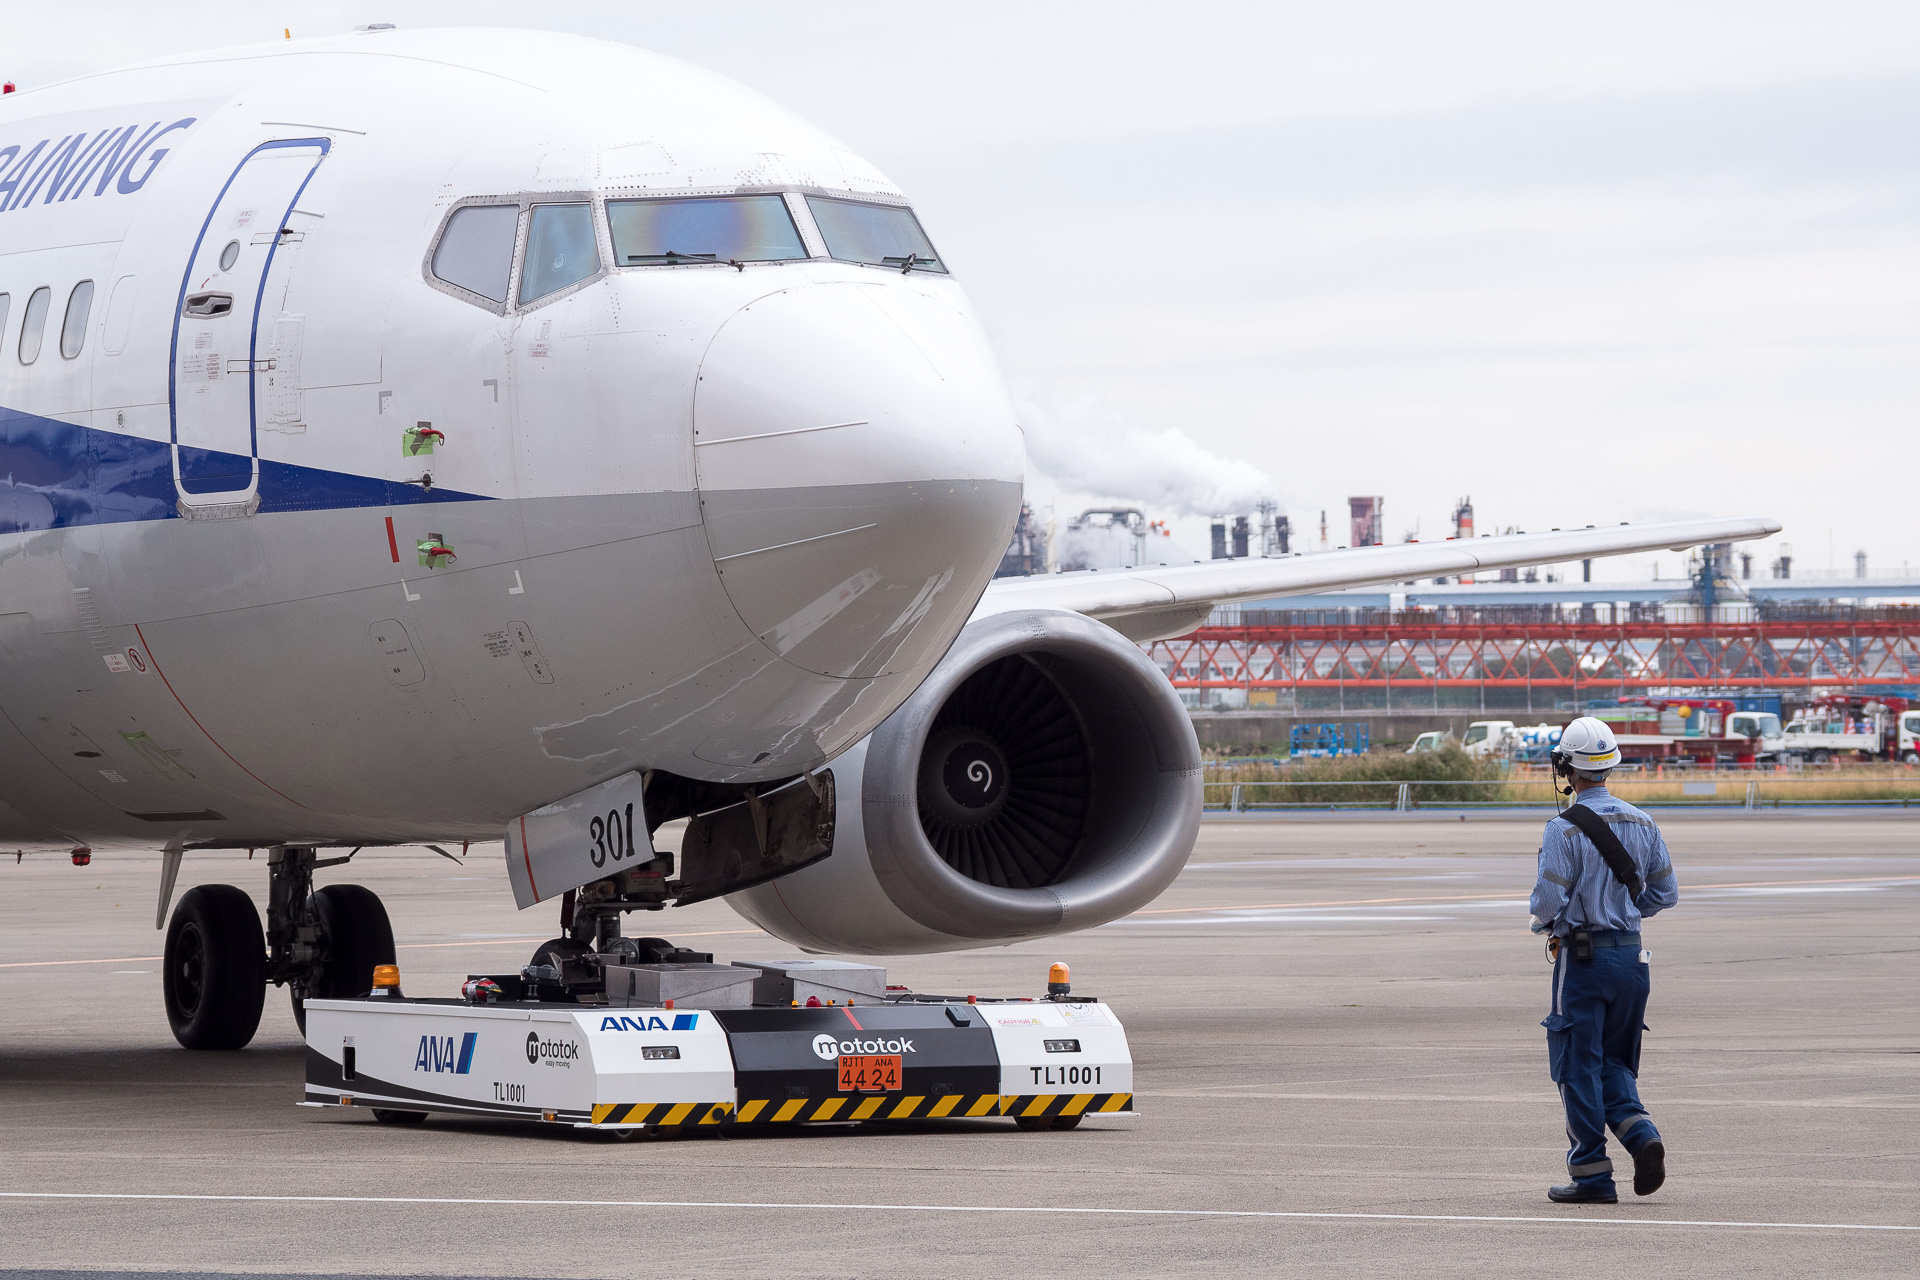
x=601 y=832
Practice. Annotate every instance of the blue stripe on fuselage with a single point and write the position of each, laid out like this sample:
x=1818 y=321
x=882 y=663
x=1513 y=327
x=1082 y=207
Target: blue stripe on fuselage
x=54 y=475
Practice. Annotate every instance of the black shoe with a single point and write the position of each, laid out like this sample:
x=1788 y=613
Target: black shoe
x=1574 y=1193
x=1649 y=1168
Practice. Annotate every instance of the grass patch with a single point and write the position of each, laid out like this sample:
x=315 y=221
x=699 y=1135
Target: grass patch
x=1451 y=777
x=1338 y=776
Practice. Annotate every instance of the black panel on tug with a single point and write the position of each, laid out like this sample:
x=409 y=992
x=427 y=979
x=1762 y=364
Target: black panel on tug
x=859 y=1062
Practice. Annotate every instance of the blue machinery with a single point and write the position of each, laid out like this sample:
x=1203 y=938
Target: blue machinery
x=1328 y=739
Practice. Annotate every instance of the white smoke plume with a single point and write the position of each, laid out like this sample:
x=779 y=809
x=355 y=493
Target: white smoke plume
x=1088 y=451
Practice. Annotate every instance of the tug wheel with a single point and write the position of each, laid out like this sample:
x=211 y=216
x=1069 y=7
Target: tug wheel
x=215 y=980
x=1032 y=1123
x=1067 y=1122
x=357 y=936
x=386 y=1116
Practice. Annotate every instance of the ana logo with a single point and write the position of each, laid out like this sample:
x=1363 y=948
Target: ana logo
x=826 y=1047
x=555 y=1053
x=650 y=1022
x=437 y=1053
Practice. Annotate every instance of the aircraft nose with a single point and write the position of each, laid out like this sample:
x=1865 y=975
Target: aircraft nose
x=859 y=470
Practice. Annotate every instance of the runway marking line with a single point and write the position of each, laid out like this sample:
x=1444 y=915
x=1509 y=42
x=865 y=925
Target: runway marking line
x=1474 y=897
x=405 y=946
x=964 y=1208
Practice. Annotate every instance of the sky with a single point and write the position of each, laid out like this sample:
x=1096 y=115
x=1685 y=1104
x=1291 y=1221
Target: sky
x=1585 y=263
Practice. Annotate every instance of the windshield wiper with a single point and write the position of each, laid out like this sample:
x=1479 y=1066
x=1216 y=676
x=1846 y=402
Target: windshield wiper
x=673 y=255
x=912 y=261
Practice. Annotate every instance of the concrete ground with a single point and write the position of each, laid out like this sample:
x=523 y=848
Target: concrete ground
x=1340 y=1067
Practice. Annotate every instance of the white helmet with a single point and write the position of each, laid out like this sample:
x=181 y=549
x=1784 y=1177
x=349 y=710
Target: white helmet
x=1587 y=746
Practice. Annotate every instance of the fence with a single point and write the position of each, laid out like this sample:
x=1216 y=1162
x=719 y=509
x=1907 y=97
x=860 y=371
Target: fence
x=1528 y=793
x=1414 y=660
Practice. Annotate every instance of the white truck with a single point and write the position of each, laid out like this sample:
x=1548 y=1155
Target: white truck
x=1842 y=724
x=1505 y=738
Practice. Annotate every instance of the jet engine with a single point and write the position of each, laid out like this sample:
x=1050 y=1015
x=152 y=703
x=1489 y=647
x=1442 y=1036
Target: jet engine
x=1044 y=778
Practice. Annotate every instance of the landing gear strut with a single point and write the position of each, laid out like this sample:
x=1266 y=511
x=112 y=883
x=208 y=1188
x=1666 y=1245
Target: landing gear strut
x=321 y=943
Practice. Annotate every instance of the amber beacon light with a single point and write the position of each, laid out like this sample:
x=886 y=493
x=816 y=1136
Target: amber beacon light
x=1058 y=980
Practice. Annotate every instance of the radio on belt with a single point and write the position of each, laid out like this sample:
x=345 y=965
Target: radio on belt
x=609 y=1046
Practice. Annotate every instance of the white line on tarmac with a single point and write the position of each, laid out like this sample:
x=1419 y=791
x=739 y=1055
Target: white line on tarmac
x=953 y=1208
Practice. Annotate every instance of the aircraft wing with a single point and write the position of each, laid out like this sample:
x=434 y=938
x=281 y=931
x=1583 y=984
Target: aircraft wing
x=1155 y=602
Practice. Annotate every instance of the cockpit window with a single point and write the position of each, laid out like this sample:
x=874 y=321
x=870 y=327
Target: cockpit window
x=655 y=233
x=884 y=235
x=560 y=249
x=476 y=253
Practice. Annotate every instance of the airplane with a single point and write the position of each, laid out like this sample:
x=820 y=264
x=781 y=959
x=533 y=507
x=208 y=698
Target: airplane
x=417 y=437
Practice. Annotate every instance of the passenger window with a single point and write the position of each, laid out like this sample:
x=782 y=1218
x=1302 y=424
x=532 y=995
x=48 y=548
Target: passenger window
x=560 y=250
x=884 y=235
x=659 y=233
x=6 y=305
x=33 y=324
x=73 y=333
x=476 y=251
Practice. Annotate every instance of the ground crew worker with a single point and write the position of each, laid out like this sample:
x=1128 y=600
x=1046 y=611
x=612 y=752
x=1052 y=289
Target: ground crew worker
x=1603 y=868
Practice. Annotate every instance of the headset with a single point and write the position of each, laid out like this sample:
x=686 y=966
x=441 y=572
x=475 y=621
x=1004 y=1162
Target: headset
x=1562 y=771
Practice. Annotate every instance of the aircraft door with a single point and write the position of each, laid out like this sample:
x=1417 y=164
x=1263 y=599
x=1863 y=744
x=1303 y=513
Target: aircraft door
x=224 y=342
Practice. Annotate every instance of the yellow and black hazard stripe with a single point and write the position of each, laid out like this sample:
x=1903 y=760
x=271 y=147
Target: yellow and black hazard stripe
x=868 y=1106
x=1034 y=1106
x=661 y=1114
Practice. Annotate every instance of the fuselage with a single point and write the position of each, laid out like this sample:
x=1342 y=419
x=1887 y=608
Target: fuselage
x=380 y=470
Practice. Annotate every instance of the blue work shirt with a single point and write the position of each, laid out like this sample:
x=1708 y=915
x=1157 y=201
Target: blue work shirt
x=1576 y=889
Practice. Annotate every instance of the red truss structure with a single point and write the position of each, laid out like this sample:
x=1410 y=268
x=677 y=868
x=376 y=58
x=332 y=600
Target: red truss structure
x=1414 y=652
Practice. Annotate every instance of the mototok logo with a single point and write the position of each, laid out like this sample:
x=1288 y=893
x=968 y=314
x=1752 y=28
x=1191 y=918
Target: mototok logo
x=555 y=1053
x=827 y=1048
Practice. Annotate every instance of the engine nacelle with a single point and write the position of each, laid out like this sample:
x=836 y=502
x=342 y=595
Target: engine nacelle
x=1044 y=778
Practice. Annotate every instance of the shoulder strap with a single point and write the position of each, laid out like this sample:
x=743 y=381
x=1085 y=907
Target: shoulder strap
x=1598 y=830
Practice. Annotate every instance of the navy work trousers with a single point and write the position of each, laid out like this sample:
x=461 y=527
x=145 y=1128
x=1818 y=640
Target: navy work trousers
x=1593 y=1053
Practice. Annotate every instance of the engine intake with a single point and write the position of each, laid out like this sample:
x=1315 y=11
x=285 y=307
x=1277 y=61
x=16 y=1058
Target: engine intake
x=1044 y=778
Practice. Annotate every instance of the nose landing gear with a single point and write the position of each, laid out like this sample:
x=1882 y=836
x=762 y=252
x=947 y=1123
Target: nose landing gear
x=321 y=944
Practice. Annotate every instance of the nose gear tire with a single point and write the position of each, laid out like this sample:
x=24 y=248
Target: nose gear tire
x=215 y=976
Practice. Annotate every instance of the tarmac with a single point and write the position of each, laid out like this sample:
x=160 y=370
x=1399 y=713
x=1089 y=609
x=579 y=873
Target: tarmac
x=1339 y=1063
